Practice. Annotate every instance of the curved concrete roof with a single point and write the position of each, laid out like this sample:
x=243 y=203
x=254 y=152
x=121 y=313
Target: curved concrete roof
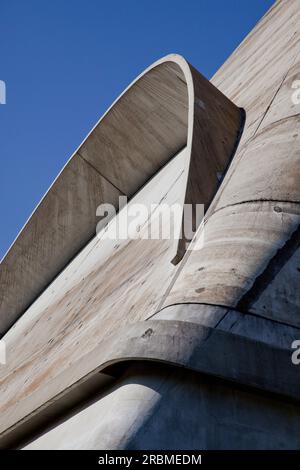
x=167 y=340
x=170 y=105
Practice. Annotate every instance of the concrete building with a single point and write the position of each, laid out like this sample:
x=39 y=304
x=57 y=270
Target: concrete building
x=144 y=343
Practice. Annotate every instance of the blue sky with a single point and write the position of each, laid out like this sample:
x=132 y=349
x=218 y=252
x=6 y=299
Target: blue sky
x=65 y=61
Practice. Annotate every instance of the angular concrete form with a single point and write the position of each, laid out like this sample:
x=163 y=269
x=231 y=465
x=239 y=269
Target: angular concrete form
x=140 y=344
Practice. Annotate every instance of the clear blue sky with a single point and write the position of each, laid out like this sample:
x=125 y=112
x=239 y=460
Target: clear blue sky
x=65 y=61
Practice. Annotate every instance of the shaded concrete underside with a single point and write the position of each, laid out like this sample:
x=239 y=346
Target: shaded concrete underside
x=156 y=407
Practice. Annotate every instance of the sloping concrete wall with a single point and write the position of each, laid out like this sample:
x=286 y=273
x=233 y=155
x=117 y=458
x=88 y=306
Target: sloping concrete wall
x=168 y=107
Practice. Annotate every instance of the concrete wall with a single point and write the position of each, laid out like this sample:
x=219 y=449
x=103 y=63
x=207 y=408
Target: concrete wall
x=157 y=407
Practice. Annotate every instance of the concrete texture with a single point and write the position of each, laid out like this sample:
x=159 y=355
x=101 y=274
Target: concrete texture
x=168 y=107
x=153 y=407
x=229 y=310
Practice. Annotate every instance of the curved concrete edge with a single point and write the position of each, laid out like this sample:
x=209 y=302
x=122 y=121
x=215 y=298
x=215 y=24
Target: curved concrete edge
x=239 y=322
x=168 y=106
x=186 y=344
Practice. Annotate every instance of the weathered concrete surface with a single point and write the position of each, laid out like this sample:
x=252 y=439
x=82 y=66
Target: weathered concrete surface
x=245 y=325
x=214 y=350
x=250 y=258
x=240 y=242
x=86 y=303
